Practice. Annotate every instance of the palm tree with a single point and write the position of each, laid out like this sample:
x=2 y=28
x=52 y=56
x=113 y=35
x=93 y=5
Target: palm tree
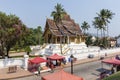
x=108 y=17
x=98 y=25
x=85 y=26
x=57 y=16
x=58 y=13
x=105 y=15
x=102 y=17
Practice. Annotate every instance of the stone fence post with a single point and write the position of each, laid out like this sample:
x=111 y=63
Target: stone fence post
x=26 y=57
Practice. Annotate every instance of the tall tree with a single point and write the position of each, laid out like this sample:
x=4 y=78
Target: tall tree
x=85 y=26
x=58 y=13
x=38 y=32
x=105 y=15
x=11 y=29
x=98 y=25
x=57 y=16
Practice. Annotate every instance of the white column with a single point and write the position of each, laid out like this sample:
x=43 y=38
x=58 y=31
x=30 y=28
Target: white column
x=26 y=57
x=80 y=39
x=5 y=61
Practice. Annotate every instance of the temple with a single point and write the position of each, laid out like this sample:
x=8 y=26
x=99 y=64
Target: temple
x=63 y=38
x=66 y=32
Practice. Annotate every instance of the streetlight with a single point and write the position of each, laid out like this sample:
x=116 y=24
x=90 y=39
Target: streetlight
x=71 y=59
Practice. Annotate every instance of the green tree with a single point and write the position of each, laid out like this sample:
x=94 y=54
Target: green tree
x=58 y=13
x=11 y=29
x=28 y=38
x=33 y=36
x=97 y=23
x=88 y=40
x=27 y=49
x=57 y=16
x=105 y=15
x=85 y=26
x=38 y=32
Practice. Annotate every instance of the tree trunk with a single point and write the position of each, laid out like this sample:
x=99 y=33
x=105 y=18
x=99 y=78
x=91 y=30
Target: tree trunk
x=2 y=50
x=97 y=37
x=7 y=51
x=97 y=32
x=101 y=33
x=107 y=31
x=104 y=33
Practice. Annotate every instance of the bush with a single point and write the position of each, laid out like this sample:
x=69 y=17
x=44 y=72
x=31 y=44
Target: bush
x=115 y=76
x=27 y=49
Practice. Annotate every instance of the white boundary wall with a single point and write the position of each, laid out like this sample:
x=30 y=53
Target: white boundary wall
x=98 y=53
x=22 y=62
x=11 y=61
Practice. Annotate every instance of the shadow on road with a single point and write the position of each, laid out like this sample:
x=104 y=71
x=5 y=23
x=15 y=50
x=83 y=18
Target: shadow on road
x=95 y=74
x=102 y=69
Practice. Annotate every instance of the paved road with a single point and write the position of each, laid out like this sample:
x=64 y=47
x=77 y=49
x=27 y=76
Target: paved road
x=89 y=71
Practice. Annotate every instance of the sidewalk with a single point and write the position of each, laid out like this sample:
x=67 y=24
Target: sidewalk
x=5 y=75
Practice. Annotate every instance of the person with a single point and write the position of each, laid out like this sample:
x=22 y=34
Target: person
x=48 y=62
x=39 y=69
x=112 y=70
x=54 y=62
x=58 y=62
x=117 y=57
x=103 y=75
x=69 y=59
x=114 y=67
x=51 y=66
x=64 y=61
x=118 y=68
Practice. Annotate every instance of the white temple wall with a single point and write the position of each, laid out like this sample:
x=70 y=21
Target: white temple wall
x=11 y=61
x=22 y=62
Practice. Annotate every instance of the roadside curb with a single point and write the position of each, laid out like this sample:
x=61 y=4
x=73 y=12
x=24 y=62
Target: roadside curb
x=83 y=61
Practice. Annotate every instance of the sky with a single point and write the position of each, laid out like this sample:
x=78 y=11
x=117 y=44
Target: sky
x=33 y=13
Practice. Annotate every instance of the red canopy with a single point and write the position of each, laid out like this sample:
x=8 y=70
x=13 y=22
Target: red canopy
x=56 y=57
x=37 y=60
x=112 y=61
x=61 y=75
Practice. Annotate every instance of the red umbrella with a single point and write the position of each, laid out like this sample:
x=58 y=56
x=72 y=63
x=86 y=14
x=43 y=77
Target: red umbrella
x=37 y=60
x=56 y=57
x=111 y=61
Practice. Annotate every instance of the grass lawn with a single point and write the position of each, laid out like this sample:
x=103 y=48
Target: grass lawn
x=115 y=76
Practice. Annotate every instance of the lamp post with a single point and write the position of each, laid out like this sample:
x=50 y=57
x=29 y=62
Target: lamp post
x=61 y=45
x=71 y=58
